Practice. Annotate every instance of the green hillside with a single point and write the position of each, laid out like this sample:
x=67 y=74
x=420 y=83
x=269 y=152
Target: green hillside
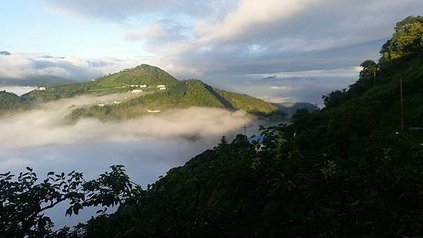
x=182 y=95
x=176 y=94
x=113 y=83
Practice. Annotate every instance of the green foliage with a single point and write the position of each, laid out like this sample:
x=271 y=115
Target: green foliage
x=405 y=44
x=406 y=41
x=23 y=200
x=282 y=189
x=143 y=74
x=113 y=83
x=11 y=102
x=247 y=103
x=182 y=95
x=59 y=92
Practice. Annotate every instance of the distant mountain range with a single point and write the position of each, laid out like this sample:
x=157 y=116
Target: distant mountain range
x=291 y=108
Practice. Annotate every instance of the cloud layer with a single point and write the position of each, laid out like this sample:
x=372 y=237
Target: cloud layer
x=147 y=146
x=22 y=66
x=43 y=126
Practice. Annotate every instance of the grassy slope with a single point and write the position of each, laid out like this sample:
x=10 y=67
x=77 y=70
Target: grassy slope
x=181 y=95
x=113 y=83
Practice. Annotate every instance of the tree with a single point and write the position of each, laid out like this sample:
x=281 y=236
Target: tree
x=407 y=40
x=369 y=69
x=334 y=98
x=24 y=200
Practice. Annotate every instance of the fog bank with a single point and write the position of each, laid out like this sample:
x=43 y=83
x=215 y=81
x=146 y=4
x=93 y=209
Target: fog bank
x=147 y=146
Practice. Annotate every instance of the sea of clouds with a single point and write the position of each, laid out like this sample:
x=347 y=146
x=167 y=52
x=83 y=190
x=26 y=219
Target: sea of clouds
x=147 y=146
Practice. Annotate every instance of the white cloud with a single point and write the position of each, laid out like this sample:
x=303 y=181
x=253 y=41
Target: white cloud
x=247 y=16
x=18 y=90
x=22 y=66
x=281 y=88
x=344 y=72
x=154 y=31
x=147 y=146
x=44 y=126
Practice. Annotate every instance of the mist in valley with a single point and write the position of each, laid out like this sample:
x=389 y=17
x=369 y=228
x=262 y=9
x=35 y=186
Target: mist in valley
x=147 y=146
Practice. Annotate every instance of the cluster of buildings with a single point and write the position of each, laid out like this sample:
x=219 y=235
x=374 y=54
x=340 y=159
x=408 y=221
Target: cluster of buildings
x=137 y=87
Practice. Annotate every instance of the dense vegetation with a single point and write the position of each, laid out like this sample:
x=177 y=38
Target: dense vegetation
x=347 y=170
x=112 y=83
x=11 y=102
x=24 y=199
x=143 y=74
x=182 y=95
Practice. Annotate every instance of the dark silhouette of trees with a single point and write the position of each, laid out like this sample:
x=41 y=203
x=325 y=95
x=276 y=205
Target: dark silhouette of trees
x=24 y=199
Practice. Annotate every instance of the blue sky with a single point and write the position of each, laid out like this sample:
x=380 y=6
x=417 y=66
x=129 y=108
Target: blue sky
x=233 y=44
x=32 y=27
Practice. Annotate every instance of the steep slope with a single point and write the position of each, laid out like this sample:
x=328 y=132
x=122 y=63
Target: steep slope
x=245 y=102
x=380 y=107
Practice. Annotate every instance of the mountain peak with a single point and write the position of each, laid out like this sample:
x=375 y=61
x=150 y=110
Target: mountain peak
x=141 y=74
